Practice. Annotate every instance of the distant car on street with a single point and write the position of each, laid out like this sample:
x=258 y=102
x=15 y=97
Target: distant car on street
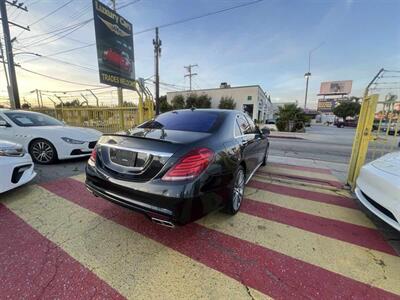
x=340 y=123
x=45 y=138
x=16 y=166
x=180 y=166
x=378 y=188
x=271 y=125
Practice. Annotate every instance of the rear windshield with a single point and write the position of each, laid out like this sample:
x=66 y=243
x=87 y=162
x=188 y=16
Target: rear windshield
x=197 y=121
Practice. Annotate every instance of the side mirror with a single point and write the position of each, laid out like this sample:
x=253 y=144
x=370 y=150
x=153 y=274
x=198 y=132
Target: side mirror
x=4 y=124
x=265 y=131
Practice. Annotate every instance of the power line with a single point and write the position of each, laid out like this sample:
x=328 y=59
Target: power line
x=200 y=16
x=161 y=26
x=45 y=40
x=128 y=4
x=61 y=61
x=77 y=91
x=51 y=13
x=55 y=78
x=45 y=16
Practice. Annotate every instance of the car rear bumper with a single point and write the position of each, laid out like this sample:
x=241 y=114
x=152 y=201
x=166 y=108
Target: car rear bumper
x=178 y=204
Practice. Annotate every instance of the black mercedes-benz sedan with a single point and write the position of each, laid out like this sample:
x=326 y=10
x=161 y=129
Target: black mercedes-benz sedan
x=179 y=166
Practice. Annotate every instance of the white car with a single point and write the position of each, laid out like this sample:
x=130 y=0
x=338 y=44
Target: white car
x=45 y=138
x=271 y=125
x=16 y=166
x=378 y=188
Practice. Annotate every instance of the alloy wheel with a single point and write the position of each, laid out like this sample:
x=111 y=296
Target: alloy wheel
x=42 y=152
x=238 y=190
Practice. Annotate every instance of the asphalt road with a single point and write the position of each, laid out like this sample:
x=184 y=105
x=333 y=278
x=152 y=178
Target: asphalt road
x=329 y=144
x=324 y=143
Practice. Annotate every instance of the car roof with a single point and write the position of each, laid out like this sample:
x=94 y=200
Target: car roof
x=3 y=110
x=217 y=110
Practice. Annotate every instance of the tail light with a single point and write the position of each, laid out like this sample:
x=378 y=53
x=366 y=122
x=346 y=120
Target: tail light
x=93 y=156
x=190 y=166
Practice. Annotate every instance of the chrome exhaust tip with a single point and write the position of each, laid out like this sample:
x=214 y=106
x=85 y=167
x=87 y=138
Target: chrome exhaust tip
x=163 y=222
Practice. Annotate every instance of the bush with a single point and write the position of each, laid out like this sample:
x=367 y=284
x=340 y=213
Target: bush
x=178 y=102
x=227 y=103
x=291 y=118
x=164 y=105
x=202 y=101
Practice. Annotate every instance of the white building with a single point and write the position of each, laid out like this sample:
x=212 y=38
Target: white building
x=251 y=99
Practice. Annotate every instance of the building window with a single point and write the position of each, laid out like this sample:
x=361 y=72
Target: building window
x=249 y=98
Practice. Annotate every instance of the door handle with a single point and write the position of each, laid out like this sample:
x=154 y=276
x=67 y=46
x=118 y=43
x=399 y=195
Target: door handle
x=244 y=142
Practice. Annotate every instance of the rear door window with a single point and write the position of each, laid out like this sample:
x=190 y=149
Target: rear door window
x=243 y=124
x=252 y=128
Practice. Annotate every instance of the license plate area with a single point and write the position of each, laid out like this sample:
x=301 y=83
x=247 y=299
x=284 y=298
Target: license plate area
x=126 y=158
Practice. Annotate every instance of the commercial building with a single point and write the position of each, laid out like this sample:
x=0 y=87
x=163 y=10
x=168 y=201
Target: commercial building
x=251 y=99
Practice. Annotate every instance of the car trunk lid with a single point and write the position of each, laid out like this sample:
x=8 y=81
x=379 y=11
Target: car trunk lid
x=140 y=154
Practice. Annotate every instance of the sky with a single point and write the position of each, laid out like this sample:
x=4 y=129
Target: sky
x=266 y=43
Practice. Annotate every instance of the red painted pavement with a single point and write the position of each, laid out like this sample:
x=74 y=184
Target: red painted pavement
x=351 y=233
x=270 y=272
x=304 y=194
x=32 y=267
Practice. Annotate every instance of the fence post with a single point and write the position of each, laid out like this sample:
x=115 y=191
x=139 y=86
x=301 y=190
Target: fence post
x=362 y=138
x=140 y=108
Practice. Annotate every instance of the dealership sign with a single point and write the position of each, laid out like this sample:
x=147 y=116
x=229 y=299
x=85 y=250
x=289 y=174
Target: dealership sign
x=336 y=87
x=114 y=42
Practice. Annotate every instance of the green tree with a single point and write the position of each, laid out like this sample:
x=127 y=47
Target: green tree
x=191 y=101
x=290 y=117
x=203 y=101
x=347 y=109
x=73 y=103
x=164 y=105
x=178 y=102
x=227 y=103
x=25 y=106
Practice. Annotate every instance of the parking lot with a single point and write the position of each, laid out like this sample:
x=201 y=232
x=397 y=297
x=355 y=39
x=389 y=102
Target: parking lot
x=299 y=234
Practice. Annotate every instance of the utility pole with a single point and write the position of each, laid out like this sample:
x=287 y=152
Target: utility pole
x=190 y=75
x=15 y=102
x=120 y=94
x=37 y=97
x=157 y=53
x=5 y=71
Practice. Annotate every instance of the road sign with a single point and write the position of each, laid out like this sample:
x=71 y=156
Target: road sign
x=114 y=42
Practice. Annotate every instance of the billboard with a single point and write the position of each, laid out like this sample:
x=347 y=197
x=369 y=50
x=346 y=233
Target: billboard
x=326 y=105
x=336 y=87
x=114 y=43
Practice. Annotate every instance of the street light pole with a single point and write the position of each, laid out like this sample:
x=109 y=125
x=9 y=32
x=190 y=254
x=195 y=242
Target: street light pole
x=308 y=74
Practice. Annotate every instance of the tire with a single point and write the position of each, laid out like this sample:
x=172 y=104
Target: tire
x=236 y=196
x=42 y=152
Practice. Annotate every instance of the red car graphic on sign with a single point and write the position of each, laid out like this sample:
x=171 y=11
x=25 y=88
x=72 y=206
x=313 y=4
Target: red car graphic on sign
x=117 y=60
